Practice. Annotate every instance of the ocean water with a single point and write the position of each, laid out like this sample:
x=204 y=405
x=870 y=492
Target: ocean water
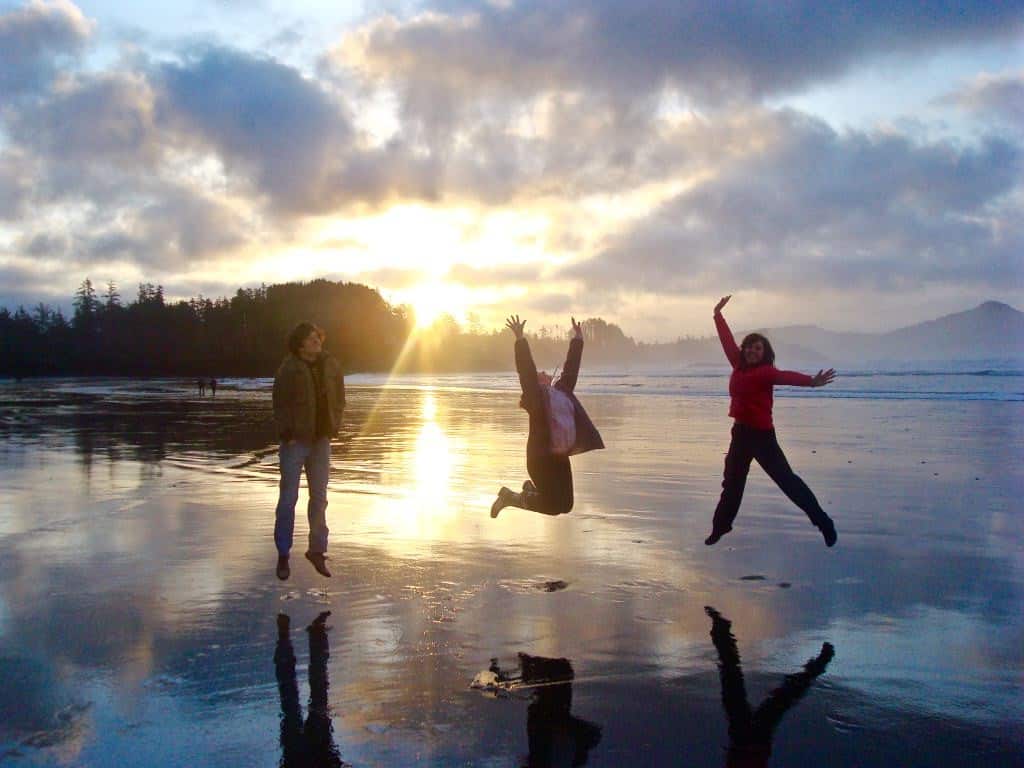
x=141 y=623
x=997 y=380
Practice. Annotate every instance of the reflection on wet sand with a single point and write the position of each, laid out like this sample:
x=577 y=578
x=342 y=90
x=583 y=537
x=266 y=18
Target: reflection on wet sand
x=750 y=731
x=556 y=737
x=308 y=744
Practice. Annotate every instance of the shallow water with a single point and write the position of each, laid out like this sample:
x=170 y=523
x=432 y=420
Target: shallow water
x=139 y=613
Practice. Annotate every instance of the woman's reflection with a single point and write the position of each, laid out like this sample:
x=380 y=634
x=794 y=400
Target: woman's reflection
x=750 y=733
x=310 y=744
x=555 y=736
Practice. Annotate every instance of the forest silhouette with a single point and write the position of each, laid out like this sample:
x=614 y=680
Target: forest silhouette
x=245 y=335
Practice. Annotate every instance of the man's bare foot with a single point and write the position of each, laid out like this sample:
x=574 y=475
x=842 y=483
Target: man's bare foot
x=318 y=559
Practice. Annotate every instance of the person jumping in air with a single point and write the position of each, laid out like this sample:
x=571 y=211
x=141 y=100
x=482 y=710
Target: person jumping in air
x=753 y=434
x=559 y=428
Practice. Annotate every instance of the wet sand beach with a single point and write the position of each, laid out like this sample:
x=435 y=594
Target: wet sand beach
x=139 y=612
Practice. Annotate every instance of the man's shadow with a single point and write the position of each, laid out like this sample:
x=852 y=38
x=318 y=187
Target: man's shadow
x=555 y=736
x=750 y=732
x=310 y=744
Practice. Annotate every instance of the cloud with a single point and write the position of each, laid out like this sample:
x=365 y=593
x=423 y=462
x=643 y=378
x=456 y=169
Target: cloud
x=105 y=119
x=391 y=278
x=15 y=184
x=816 y=208
x=34 y=41
x=267 y=123
x=179 y=228
x=998 y=96
x=494 y=275
x=712 y=52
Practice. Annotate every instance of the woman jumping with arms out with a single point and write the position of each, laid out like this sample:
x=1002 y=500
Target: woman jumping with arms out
x=753 y=434
x=559 y=428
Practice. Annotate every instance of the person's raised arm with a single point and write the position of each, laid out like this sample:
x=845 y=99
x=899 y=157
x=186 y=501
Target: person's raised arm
x=525 y=366
x=732 y=351
x=571 y=369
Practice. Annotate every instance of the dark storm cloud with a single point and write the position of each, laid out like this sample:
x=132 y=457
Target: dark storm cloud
x=820 y=209
x=713 y=52
x=34 y=40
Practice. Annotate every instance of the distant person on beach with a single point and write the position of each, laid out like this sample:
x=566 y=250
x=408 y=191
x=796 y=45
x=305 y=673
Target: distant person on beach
x=213 y=387
x=309 y=398
x=201 y=384
x=753 y=433
x=559 y=428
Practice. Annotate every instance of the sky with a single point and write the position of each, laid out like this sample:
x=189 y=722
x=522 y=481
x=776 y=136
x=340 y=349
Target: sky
x=856 y=166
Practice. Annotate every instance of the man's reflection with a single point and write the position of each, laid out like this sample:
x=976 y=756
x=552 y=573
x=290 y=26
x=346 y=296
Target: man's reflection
x=555 y=736
x=750 y=733
x=310 y=744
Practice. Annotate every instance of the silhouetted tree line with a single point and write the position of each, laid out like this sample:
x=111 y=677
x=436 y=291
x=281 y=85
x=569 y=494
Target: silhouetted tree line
x=241 y=336
x=245 y=335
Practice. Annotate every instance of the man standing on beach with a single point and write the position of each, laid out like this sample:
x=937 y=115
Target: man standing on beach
x=309 y=397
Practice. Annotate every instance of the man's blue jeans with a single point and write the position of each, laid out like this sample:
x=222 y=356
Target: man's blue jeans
x=315 y=456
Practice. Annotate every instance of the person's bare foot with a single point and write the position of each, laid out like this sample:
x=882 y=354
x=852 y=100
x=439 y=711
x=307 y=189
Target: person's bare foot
x=283 y=570
x=318 y=559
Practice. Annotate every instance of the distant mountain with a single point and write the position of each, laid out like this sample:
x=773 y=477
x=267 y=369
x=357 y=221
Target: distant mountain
x=990 y=330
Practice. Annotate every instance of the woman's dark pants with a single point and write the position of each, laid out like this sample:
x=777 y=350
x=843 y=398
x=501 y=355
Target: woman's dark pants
x=747 y=445
x=553 y=477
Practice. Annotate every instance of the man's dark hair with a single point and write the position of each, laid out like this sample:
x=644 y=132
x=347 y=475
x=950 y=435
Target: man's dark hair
x=769 y=353
x=300 y=333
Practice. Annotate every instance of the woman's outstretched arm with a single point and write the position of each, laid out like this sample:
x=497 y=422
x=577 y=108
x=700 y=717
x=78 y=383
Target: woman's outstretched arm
x=797 y=379
x=732 y=351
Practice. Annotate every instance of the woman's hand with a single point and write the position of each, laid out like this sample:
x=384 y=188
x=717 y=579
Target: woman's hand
x=821 y=378
x=721 y=303
x=514 y=324
x=577 y=329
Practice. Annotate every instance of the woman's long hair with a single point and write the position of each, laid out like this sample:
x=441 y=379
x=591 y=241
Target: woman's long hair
x=769 y=353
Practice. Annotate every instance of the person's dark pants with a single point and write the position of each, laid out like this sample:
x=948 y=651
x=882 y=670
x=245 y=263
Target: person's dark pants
x=552 y=475
x=747 y=445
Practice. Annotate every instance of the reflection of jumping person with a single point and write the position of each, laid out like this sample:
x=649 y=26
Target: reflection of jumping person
x=555 y=735
x=310 y=744
x=559 y=428
x=750 y=733
x=753 y=434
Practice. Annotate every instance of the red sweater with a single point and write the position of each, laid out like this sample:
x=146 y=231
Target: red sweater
x=751 y=388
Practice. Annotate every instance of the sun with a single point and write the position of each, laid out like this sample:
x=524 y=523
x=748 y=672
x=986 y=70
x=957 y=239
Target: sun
x=429 y=301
